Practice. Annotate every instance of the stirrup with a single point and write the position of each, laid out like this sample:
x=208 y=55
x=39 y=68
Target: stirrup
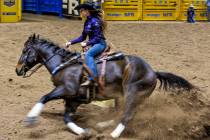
x=86 y=83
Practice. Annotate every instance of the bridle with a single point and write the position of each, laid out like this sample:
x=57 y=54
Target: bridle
x=39 y=65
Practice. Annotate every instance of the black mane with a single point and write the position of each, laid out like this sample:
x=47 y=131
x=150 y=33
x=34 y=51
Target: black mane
x=48 y=44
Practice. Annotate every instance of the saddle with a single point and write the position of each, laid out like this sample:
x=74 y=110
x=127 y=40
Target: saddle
x=98 y=86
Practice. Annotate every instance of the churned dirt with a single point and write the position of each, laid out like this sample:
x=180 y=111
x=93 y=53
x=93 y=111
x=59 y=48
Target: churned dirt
x=176 y=47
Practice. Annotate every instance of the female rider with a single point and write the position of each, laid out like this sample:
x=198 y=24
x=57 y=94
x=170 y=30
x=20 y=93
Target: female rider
x=94 y=28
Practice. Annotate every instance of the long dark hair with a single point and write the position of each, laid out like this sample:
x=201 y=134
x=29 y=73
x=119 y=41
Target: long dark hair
x=100 y=15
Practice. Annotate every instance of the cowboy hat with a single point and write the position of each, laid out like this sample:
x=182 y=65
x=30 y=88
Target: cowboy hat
x=87 y=5
x=191 y=5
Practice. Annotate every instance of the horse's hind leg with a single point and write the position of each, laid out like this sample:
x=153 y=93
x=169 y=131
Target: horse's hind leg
x=135 y=94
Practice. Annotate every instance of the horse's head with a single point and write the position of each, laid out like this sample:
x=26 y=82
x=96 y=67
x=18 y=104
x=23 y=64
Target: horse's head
x=29 y=57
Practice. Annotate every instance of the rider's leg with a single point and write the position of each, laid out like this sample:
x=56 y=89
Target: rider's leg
x=89 y=60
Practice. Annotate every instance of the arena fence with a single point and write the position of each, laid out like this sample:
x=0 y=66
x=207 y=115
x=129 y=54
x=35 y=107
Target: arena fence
x=10 y=10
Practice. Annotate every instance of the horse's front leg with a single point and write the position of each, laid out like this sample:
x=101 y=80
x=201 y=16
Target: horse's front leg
x=70 y=109
x=57 y=93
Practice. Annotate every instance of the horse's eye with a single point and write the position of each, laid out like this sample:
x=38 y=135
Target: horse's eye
x=24 y=50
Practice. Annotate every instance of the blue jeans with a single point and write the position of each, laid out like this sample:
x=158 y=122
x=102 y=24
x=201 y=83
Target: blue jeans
x=191 y=19
x=90 y=55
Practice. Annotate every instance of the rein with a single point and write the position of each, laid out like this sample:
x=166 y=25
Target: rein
x=33 y=71
x=40 y=65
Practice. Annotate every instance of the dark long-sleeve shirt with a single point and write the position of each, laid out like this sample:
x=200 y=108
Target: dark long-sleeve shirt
x=190 y=12
x=92 y=29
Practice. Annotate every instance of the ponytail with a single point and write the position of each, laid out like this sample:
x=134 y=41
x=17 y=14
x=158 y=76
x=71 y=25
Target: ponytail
x=100 y=15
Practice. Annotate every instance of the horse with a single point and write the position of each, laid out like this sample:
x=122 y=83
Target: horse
x=131 y=75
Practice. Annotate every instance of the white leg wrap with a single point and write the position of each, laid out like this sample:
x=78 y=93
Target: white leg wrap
x=117 y=132
x=36 y=110
x=76 y=129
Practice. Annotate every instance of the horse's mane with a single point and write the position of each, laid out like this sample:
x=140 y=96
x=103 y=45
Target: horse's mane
x=55 y=48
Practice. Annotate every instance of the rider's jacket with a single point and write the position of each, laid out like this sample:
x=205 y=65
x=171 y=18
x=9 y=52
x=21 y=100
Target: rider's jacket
x=92 y=29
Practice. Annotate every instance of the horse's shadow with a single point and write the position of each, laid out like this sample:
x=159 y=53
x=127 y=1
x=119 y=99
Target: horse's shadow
x=52 y=115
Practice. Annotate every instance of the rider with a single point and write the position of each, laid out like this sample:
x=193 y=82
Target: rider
x=191 y=14
x=94 y=28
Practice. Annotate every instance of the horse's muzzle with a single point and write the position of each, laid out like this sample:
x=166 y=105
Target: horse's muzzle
x=20 y=70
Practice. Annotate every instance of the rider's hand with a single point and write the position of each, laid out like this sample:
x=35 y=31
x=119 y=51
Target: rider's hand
x=68 y=44
x=83 y=44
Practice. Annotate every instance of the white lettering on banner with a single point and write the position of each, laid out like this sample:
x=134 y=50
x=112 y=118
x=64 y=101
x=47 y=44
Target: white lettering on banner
x=64 y=6
x=72 y=5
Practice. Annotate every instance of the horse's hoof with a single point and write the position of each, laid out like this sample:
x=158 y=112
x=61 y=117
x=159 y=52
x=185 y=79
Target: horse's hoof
x=87 y=133
x=30 y=121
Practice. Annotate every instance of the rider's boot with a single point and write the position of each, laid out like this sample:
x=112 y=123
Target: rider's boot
x=101 y=85
x=88 y=82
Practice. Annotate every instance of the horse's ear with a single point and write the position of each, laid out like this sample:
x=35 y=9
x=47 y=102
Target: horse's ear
x=30 y=37
x=38 y=36
x=33 y=37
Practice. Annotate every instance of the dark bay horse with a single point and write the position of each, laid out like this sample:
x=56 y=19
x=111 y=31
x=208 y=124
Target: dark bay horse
x=131 y=75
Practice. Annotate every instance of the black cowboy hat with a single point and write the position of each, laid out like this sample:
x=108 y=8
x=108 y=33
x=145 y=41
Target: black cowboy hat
x=87 y=5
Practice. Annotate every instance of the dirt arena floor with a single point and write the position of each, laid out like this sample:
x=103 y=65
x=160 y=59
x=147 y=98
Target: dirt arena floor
x=176 y=47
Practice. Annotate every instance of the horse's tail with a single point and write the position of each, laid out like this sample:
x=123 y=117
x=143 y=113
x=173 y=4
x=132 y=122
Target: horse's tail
x=171 y=81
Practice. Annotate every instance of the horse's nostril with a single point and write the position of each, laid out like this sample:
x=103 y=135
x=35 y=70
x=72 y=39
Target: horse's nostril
x=19 y=72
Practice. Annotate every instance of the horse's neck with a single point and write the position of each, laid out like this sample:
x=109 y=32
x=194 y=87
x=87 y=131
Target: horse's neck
x=51 y=59
x=53 y=63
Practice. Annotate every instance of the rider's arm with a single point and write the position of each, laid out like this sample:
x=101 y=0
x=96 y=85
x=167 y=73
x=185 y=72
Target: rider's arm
x=79 y=39
x=97 y=32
